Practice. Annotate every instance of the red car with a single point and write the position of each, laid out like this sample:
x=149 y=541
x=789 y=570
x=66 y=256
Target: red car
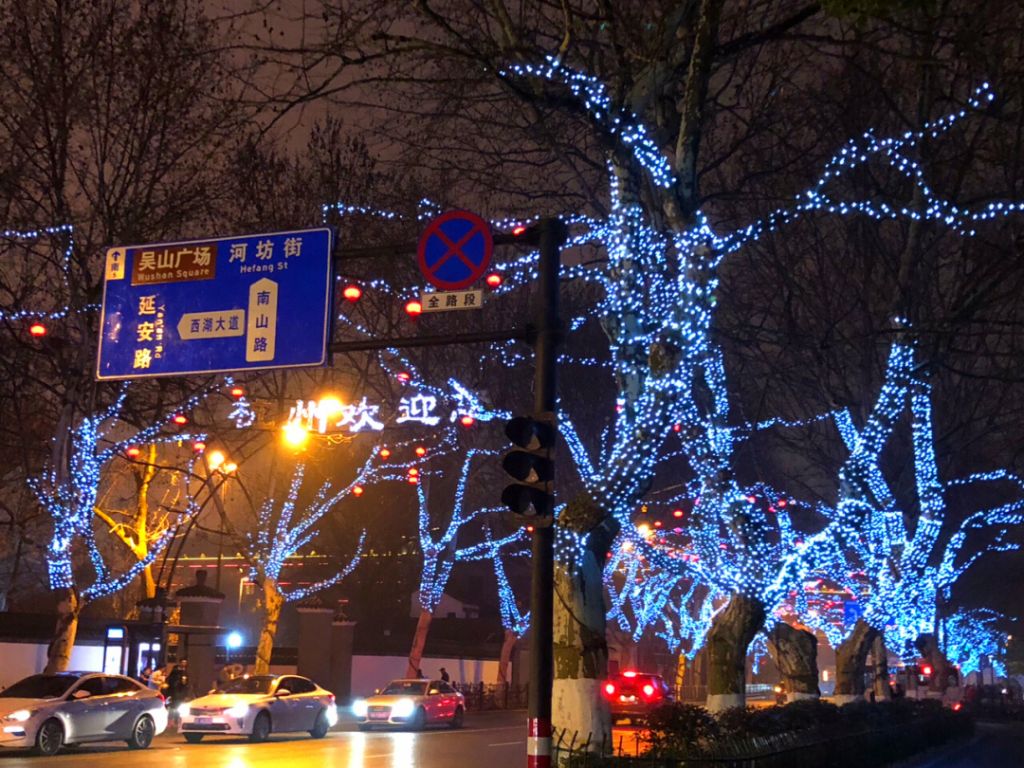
x=633 y=694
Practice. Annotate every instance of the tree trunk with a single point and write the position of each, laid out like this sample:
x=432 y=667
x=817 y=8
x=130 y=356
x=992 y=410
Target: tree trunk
x=680 y=675
x=507 y=646
x=731 y=633
x=795 y=652
x=880 y=657
x=580 y=645
x=273 y=601
x=419 y=641
x=851 y=663
x=928 y=647
x=58 y=655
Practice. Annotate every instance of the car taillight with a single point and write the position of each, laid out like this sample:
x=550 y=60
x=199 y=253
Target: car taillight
x=163 y=699
x=648 y=690
x=609 y=689
x=330 y=698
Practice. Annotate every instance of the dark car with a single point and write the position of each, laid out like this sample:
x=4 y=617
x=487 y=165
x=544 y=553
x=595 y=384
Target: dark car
x=634 y=694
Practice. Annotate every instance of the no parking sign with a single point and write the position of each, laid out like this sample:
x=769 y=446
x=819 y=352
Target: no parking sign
x=455 y=250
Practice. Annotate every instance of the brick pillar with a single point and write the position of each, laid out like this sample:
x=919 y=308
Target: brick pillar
x=200 y=608
x=342 y=633
x=314 y=653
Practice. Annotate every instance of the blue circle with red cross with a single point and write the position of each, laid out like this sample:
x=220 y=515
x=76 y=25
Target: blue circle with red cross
x=455 y=250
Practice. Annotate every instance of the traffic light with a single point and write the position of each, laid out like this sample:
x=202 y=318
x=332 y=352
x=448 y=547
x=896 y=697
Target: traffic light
x=531 y=464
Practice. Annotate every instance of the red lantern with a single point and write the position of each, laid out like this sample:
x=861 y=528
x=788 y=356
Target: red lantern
x=467 y=420
x=133 y=452
x=413 y=308
x=384 y=453
x=493 y=280
x=421 y=451
x=237 y=392
x=180 y=419
x=352 y=292
x=37 y=329
x=357 y=491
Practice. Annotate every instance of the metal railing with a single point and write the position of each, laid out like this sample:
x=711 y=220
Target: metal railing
x=484 y=696
x=800 y=749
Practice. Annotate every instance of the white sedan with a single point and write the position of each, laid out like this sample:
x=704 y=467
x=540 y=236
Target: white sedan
x=45 y=712
x=414 y=703
x=258 y=705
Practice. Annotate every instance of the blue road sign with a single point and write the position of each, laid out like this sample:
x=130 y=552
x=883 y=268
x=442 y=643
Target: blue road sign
x=455 y=250
x=221 y=304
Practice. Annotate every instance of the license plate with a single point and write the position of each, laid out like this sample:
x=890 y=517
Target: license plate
x=378 y=715
x=204 y=720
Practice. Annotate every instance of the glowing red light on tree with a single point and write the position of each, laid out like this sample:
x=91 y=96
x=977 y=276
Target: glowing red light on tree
x=467 y=420
x=677 y=427
x=37 y=329
x=677 y=513
x=403 y=377
x=413 y=472
x=926 y=670
x=413 y=308
x=782 y=502
x=412 y=480
x=133 y=452
x=384 y=453
x=237 y=392
x=352 y=292
x=519 y=229
x=199 y=447
x=529 y=529
x=180 y=419
x=421 y=451
x=752 y=499
x=357 y=491
x=493 y=280
x=657 y=523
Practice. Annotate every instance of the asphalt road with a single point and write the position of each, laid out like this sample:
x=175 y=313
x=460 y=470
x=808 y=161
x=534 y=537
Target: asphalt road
x=995 y=745
x=489 y=739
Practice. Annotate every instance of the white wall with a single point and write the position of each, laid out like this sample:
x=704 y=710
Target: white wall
x=18 y=660
x=372 y=672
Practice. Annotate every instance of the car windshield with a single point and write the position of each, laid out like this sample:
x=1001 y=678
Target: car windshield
x=405 y=688
x=247 y=685
x=39 y=687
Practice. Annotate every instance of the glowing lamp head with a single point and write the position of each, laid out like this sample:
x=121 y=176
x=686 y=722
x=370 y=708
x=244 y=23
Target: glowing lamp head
x=295 y=435
x=493 y=280
x=421 y=451
x=331 y=406
x=352 y=292
x=467 y=420
x=215 y=459
x=180 y=419
x=229 y=468
x=37 y=330
x=357 y=491
x=413 y=308
x=235 y=640
x=237 y=392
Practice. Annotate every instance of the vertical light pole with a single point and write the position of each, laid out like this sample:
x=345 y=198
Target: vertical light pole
x=538 y=743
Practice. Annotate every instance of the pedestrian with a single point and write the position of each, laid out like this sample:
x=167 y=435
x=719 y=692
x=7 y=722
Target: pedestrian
x=158 y=680
x=146 y=674
x=178 y=683
x=444 y=676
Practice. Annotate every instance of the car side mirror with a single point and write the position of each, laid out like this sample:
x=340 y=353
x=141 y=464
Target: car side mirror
x=283 y=692
x=80 y=694
x=433 y=691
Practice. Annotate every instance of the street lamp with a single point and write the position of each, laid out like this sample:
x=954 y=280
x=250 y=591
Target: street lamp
x=295 y=435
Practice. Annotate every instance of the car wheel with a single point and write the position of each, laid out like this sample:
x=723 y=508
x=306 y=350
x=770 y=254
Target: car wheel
x=49 y=738
x=457 y=718
x=320 y=727
x=260 y=728
x=194 y=738
x=142 y=733
x=419 y=720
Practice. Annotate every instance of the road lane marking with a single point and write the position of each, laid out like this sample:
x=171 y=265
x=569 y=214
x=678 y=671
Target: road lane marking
x=507 y=743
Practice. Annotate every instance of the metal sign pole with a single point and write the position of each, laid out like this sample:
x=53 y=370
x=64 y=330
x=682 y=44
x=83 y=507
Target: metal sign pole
x=538 y=742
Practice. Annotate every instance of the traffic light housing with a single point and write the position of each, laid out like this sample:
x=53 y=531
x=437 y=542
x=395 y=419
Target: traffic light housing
x=531 y=465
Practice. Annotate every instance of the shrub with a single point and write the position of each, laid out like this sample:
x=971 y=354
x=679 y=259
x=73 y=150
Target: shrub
x=680 y=729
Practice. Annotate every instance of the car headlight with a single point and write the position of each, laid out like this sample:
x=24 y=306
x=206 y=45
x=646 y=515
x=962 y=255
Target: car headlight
x=403 y=708
x=359 y=707
x=184 y=710
x=18 y=716
x=239 y=711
